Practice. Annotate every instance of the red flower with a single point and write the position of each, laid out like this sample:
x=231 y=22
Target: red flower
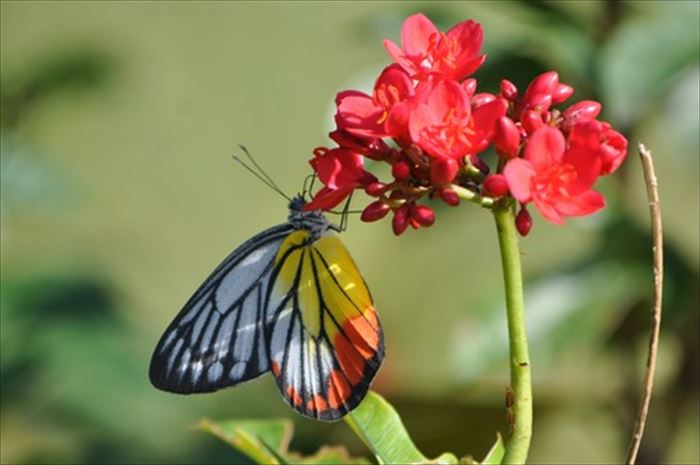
x=444 y=126
x=556 y=179
x=341 y=171
x=365 y=116
x=598 y=137
x=427 y=51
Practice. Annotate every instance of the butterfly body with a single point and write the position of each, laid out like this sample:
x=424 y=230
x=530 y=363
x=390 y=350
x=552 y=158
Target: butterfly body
x=291 y=301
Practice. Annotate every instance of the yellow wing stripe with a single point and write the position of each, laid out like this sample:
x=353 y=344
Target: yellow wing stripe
x=341 y=264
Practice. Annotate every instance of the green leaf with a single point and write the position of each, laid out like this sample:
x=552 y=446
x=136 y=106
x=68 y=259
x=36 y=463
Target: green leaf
x=493 y=457
x=264 y=441
x=379 y=426
x=331 y=455
x=446 y=458
x=267 y=441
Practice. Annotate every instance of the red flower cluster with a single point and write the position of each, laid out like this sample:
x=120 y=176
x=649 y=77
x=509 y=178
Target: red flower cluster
x=426 y=119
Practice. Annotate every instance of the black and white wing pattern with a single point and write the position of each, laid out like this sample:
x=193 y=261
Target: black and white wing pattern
x=219 y=338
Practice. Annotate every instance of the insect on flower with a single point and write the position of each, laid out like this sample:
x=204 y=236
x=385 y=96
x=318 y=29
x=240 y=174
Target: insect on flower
x=289 y=300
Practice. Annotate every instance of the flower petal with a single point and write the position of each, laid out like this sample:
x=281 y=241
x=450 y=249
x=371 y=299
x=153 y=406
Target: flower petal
x=421 y=117
x=545 y=147
x=548 y=211
x=327 y=198
x=400 y=57
x=415 y=34
x=519 y=173
x=587 y=165
x=358 y=114
x=583 y=204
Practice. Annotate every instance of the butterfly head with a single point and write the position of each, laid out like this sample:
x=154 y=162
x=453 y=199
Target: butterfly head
x=313 y=221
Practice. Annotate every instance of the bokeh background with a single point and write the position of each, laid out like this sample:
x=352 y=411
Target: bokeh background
x=119 y=196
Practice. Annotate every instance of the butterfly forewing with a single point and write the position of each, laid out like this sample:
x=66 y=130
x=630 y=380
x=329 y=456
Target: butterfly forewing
x=218 y=338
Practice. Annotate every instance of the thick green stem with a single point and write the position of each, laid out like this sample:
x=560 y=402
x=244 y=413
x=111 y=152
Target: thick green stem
x=519 y=396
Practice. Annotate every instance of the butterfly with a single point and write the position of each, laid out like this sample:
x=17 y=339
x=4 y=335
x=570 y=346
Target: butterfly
x=291 y=301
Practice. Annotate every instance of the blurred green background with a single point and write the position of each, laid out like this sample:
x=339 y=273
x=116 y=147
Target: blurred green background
x=119 y=196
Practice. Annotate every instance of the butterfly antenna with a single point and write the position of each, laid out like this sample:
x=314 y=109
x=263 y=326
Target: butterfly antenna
x=263 y=179
x=260 y=169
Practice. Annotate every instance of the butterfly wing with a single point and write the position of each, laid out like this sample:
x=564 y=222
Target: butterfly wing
x=326 y=343
x=217 y=339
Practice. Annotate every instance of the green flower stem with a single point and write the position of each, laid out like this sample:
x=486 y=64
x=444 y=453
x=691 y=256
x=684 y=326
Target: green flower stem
x=519 y=398
x=466 y=194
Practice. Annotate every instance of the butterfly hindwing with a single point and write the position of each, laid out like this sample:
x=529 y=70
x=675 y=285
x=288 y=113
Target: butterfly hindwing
x=218 y=338
x=326 y=343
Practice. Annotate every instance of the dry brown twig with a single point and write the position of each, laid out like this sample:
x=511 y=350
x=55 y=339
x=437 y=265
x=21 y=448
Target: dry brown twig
x=658 y=253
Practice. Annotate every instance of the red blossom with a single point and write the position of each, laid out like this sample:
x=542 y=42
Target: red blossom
x=365 y=116
x=428 y=121
x=426 y=51
x=445 y=127
x=556 y=179
x=600 y=139
x=341 y=171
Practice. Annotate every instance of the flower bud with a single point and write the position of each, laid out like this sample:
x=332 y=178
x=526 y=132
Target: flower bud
x=470 y=86
x=375 y=211
x=482 y=99
x=545 y=83
x=523 y=222
x=540 y=102
x=496 y=186
x=581 y=111
x=562 y=93
x=424 y=215
x=531 y=121
x=401 y=220
x=508 y=90
x=448 y=196
x=401 y=170
x=443 y=170
x=506 y=137
x=375 y=189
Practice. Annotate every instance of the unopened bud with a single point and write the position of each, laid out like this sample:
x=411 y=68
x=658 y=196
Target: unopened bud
x=523 y=222
x=562 y=94
x=506 y=137
x=375 y=189
x=540 y=102
x=581 y=111
x=443 y=171
x=496 y=186
x=545 y=83
x=374 y=211
x=448 y=196
x=482 y=99
x=401 y=170
x=424 y=215
x=508 y=90
x=531 y=121
x=401 y=220
x=469 y=85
